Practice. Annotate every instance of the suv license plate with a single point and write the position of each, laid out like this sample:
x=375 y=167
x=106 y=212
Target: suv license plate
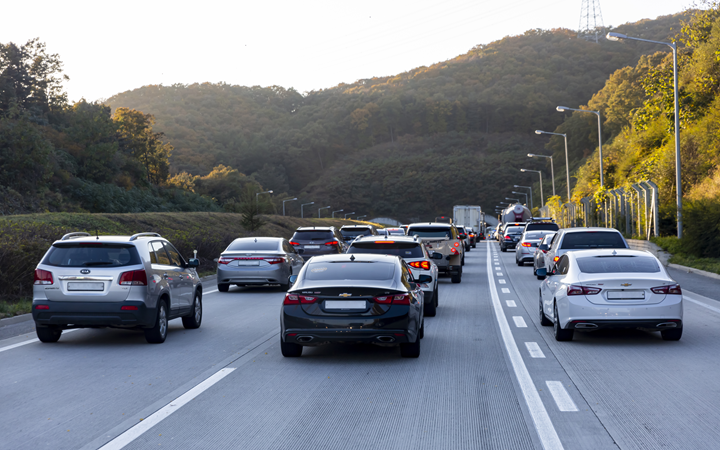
x=312 y=246
x=345 y=304
x=79 y=286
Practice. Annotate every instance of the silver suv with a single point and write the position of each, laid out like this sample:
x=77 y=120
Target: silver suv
x=138 y=281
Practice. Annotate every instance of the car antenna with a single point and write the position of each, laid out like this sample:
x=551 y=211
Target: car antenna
x=255 y=239
x=97 y=235
x=352 y=257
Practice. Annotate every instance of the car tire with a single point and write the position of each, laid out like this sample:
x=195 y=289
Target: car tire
x=429 y=309
x=194 y=319
x=48 y=334
x=285 y=287
x=223 y=287
x=410 y=349
x=560 y=334
x=671 y=335
x=456 y=278
x=503 y=249
x=462 y=261
x=474 y=245
x=158 y=333
x=519 y=262
x=290 y=350
x=544 y=321
x=421 y=333
x=436 y=292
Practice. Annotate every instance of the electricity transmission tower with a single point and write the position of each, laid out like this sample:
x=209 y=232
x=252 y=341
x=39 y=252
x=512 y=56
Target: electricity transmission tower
x=591 y=22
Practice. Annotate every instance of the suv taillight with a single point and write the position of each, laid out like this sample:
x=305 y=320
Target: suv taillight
x=672 y=289
x=425 y=265
x=294 y=243
x=133 y=278
x=332 y=243
x=43 y=277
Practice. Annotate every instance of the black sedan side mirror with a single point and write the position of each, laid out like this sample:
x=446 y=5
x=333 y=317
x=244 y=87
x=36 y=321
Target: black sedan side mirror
x=436 y=255
x=541 y=272
x=292 y=279
x=192 y=262
x=424 y=279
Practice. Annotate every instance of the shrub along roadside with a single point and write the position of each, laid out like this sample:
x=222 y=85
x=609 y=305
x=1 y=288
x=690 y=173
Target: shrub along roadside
x=24 y=239
x=680 y=255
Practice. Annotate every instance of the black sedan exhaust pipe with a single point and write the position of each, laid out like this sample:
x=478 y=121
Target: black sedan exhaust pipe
x=304 y=338
x=386 y=339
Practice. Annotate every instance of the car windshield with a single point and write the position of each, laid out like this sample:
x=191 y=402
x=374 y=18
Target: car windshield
x=252 y=244
x=350 y=270
x=430 y=232
x=313 y=235
x=355 y=232
x=618 y=264
x=404 y=249
x=92 y=254
x=534 y=235
x=514 y=230
x=592 y=239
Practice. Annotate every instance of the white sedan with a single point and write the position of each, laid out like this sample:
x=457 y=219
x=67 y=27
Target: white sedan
x=594 y=289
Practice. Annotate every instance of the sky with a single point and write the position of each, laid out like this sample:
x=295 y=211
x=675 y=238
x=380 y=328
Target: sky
x=112 y=47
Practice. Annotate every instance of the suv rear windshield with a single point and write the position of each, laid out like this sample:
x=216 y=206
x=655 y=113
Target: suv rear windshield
x=514 y=230
x=536 y=234
x=355 y=232
x=89 y=254
x=542 y=226
x=618 y=264
x=346 y=270
x=313 y=235
x=592 y=239
x=252 y=244
x=430 y=232
x=404 y=249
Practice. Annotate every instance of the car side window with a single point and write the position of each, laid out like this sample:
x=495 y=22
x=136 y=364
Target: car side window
x=288 y=248
x=175 y=257
x=162 y=256
x=153 y=256
x=406 y=276
x=563 y=265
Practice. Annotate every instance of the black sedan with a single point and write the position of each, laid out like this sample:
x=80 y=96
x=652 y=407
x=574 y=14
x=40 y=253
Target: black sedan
x=358 y=298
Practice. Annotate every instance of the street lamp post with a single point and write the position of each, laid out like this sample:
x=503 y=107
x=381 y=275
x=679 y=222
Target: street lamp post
x=522 y=193
x=529 y=187
x=320 y=209
x=302 y=215
x=542 y=200
x=288 y=200
x=616 y=37
x=339 y=210
x=349 y=214
x=360 y=217
x=552 y=166
x=597 y=113
x=257 y=204
x=516 y=200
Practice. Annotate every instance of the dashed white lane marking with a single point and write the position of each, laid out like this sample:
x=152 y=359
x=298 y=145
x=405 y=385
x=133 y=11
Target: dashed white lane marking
x=501 y=281
x=499 y=274
x=497 y=263
x=546 y=431
x=562 y=399
x=534 y=350
x=510 y=303
x=209 y=292
x=158 y=416
x=505 y=290
x=30 y=341
x=519 y=322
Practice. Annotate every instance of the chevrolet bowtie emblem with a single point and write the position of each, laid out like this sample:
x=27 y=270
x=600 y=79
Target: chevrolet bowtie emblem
x=345 y=295
x=626 y=284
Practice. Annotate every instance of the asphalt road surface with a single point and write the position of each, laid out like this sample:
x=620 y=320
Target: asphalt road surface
x=489 y=377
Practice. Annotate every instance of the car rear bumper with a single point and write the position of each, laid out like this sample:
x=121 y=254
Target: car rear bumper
x=649 y=316
x=651 y=324
x=93 y=314
x=346 y=336
x=274 y=274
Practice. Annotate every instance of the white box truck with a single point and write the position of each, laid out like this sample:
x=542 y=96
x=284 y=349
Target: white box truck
x=469 y=216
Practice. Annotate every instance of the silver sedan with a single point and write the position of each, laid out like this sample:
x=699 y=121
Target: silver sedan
x=258 y=261
x=525 y=250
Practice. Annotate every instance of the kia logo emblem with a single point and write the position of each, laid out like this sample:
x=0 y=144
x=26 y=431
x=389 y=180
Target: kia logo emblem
x=85 y=271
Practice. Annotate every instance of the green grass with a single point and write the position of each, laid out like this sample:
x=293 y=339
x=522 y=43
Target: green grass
x=674 y=246
x=15 y=308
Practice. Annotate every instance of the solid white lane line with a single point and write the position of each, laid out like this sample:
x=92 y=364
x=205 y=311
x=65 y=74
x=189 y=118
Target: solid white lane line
x=501 y=281
x=157 y=417
x=505 y=290
x=510 y=303
x=697 y=302
x=209 y=292
x=534 y=350
x=562 y=399
x=30 y=341
x=544 y=426
x=519 y=322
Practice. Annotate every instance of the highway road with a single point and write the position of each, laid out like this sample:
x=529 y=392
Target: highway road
x=489 y=377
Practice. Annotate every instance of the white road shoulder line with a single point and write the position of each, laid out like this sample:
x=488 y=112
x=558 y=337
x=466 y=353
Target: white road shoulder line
x=544 y=426
x=519 y=322
x=698 y=302
x=30 y=341
x=210 y=292
x=511 y=303
x=157 y=417
x=561 y=396
x=534 y=350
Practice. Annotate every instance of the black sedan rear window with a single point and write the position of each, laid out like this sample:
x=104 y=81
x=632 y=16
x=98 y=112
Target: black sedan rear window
x=313 y=235
x=348 y=270
x=542 y=226
x=404 y=249
x=618 y=264
x=253 y=244
x=592 y=239
x=92 y=255
x=429 y=232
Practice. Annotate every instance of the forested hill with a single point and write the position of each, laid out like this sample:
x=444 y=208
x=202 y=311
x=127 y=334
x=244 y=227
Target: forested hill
x=286 y=140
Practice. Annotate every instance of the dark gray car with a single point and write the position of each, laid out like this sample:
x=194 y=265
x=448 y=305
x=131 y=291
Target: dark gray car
x=350 y=232
x=316 y=241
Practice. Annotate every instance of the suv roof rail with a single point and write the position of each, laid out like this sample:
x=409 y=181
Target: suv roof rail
x=137 y=235
x=74 y=235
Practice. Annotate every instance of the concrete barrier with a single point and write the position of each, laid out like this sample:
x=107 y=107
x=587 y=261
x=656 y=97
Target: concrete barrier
x=648 y=246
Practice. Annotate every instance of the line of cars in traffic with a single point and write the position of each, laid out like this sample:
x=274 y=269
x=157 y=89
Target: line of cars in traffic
x=351 y=284
x=592 y=280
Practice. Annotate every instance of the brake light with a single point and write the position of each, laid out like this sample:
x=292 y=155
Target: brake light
x=42 y=307
x=332 y=243
x=555 y=259
x=294 y=243
x=457 y=244
x=526 y=244
x=133 y=278
x=403 y=299
x=453 y=251
x=275 y=260
x=384 y=242
x=582 y=290
x=43 y=277
x=306 y=300
x=291 y=299
x=508 y=238
x=224 y=260
x=672 y=289
x=128 y=308
x=384 y=300
x=425 y=265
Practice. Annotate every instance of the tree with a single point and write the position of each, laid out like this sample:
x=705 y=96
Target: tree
x=140 y=141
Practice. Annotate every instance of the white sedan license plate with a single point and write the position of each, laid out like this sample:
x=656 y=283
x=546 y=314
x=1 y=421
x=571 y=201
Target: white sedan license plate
x=78 y=286
x=312 y=246
x=626 y=295
x=345 y=304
